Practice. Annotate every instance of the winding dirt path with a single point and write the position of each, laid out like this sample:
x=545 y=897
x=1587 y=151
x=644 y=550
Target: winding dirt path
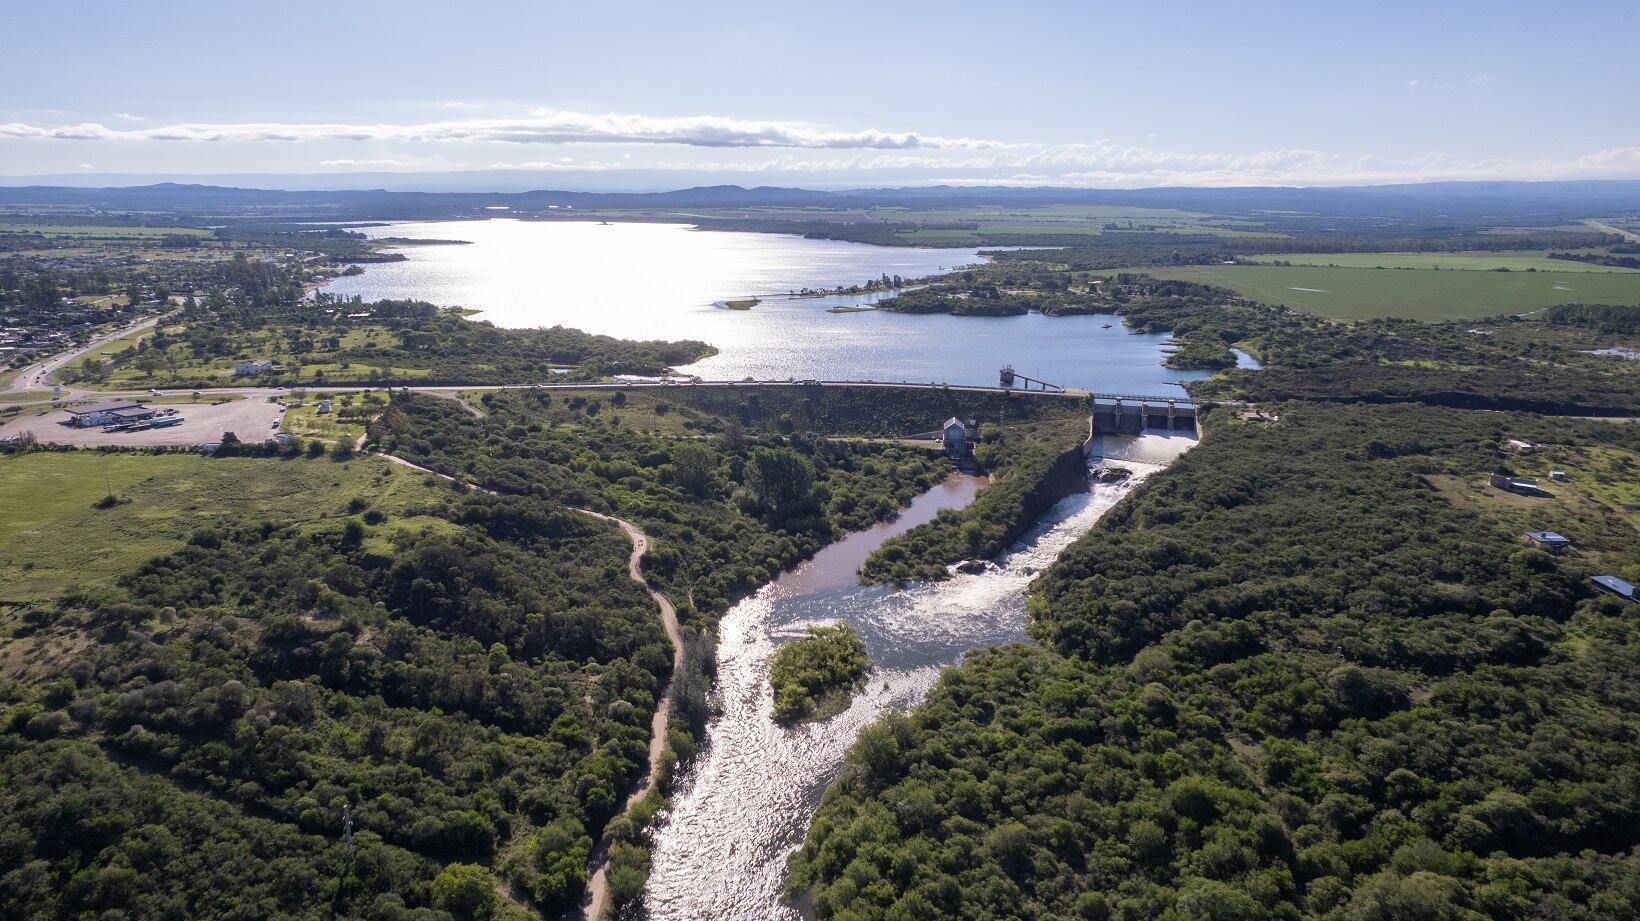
x=596 y=899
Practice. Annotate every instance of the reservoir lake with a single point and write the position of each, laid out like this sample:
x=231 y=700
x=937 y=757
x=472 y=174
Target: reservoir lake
x=666 y=281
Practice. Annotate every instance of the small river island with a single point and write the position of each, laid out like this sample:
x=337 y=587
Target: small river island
x=815 y=676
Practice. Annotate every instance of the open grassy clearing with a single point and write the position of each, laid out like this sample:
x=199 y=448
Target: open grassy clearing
x=26 y=396
x=1464 y=261
x=307 y=422
x=101 y=231
x=1359 y=294
x=53 y=537
x=102 y=351
x=1629 y=229
x=1598 y=507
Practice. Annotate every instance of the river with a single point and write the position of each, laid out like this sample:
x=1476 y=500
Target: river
x=746 y=802
x=663 y=281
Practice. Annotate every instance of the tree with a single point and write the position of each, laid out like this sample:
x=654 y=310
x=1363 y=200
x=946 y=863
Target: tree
x=466 y=891
x=780 y=480
x=693 y=464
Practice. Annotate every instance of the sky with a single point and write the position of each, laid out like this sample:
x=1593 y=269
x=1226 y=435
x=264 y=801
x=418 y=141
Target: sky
x=617 y=94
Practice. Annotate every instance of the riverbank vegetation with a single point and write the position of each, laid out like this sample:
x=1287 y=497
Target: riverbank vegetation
x=1291 y=677
x=726 y=512
x=1032 y=467
x=815 y=675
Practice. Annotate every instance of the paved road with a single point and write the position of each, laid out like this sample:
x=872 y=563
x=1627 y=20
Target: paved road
x=39 y=374
x=188 y=433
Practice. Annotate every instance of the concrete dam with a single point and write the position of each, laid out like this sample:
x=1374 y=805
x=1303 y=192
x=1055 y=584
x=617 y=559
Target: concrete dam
x=1128 y=414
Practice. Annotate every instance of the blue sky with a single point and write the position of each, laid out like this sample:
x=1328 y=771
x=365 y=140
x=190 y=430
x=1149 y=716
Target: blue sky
x=841 y=93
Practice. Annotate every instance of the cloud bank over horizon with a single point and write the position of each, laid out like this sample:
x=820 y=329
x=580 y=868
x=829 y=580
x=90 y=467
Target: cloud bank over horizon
x=614 y=143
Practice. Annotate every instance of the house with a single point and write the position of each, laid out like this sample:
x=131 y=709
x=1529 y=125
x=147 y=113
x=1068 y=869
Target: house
x=108 y=412
x=1525 y=486
x=1615 y=586
x=956 y=438
x=324 y=407
x=251 y=368
x=1548 y=540
x=1524 y=447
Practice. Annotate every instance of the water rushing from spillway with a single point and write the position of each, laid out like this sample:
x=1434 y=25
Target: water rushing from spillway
x=747 y=801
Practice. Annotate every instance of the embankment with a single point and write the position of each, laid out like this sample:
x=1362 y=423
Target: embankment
x=1035 y=467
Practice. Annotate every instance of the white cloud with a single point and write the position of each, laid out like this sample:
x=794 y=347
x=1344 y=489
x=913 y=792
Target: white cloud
x=349 y=161
x=86 y=166
x=542 y=126
x=1107 y=164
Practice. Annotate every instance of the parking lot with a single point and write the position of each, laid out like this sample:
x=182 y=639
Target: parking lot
x=252 y=419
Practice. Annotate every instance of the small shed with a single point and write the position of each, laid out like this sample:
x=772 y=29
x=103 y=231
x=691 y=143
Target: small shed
x=1614 y=586
x=1526 y=486
x=1548 y=540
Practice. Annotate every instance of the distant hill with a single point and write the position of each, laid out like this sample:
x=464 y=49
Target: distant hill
x=1465 y=201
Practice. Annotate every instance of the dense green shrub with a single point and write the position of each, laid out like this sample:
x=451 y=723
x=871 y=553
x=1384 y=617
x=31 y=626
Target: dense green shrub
x=828 y=662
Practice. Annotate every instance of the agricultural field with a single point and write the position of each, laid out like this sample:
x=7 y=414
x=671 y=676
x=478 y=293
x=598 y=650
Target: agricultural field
x=1079 y=220
x=1422 y=294
x=102 y=232
x=1466 y=261
x=55 y=536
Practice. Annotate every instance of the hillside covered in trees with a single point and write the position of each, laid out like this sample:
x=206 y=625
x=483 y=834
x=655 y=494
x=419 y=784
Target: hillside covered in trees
x=1292 y=677
x=451 y=670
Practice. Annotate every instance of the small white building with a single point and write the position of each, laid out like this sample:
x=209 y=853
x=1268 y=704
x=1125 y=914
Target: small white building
x=957 y=437
x=324 y=407
x=252 y=368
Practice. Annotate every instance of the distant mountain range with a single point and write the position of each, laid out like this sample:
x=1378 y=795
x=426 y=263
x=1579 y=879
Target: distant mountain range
x=1463 y=200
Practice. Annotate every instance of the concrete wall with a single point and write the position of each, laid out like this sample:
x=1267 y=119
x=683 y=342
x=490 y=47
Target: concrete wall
x=1132 y=418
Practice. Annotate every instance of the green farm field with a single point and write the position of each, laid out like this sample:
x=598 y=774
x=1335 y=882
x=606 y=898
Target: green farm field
x=54 y=538
x=101 y=231
x=1360 y=294
x=1464 y=261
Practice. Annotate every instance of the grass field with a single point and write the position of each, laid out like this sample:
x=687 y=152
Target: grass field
x=1469 y=261
x=100 y=231
x=103 y=351
x=1359 y=294
x=53 y=537
x=1598 y=507
x=306 y=422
